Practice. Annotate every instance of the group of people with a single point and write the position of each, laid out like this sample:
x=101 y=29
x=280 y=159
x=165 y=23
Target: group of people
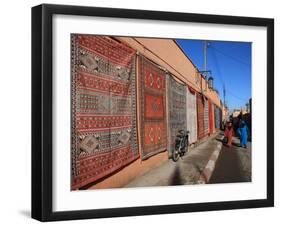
x=242 y=132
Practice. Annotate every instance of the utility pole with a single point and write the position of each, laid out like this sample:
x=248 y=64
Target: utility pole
x=205 y=58
x=224 y=93
x=205 y=63
x=205 y=72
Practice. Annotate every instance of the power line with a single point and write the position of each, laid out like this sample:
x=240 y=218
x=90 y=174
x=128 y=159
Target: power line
x=219 y=72
x=219 y=75
x=239 y=98
x=231 y=57
x=217 y=67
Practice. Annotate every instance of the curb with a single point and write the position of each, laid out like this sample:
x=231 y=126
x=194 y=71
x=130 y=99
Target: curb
x=210 y=166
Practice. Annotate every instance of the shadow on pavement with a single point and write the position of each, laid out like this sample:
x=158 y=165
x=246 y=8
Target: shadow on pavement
x=236 y=144
x=176 y=177
x=228 y=167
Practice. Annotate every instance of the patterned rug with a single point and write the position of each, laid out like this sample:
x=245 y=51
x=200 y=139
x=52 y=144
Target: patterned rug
x=217 y=117
x=214 y=117
x=104 y=136
x=191 y=113
x=152 y=84
x=206 y=116
x=177 y=110
x=200 y=115
x=211 y=117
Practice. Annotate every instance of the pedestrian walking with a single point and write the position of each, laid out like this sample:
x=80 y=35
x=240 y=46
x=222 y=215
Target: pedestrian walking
x=243 y=133
x=228 y=134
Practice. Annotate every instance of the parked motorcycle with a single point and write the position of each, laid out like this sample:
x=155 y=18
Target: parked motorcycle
x=181 y=145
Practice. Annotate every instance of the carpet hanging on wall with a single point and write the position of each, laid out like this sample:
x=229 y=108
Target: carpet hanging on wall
x=176 y=110
x=152 y=94
x=191 y=113
x=211 y=117
x=217 y=117
x=104 y=136
x=206 y=116
x=200 y=116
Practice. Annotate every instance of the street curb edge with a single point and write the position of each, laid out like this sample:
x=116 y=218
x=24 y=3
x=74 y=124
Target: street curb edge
x=210 y=166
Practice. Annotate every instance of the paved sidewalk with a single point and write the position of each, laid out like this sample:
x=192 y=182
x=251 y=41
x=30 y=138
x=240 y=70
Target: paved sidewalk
x=187 y=170
x=234 y=164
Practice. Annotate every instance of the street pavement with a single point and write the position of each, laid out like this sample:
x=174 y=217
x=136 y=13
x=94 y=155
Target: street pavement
x=233 y=164
x=187 y=170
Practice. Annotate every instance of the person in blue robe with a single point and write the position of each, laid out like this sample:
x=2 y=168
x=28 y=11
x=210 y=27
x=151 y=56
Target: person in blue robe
x=243 y=133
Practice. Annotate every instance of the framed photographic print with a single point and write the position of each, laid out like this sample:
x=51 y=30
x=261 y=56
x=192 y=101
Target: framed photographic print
x=146 y=112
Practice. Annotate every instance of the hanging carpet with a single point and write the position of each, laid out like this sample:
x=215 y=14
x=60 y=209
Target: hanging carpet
x=176 y=110
x=104 y=136
x=191 y=113
x=152 y=96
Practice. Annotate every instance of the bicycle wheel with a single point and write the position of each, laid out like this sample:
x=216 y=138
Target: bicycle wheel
x=175 y=155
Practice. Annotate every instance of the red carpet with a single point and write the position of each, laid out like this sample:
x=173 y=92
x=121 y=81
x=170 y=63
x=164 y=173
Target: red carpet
x=104 y=136
x=152 y=108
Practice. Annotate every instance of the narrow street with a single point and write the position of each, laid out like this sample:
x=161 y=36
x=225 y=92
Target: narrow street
x=233 y=164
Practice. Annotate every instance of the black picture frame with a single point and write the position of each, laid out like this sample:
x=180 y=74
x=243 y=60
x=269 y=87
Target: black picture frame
x=42 y=111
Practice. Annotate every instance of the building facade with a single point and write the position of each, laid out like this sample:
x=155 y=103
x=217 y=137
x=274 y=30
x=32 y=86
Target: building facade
x=164 y=91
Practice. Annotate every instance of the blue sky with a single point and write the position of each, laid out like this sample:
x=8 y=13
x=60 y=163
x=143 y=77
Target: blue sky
x=230 y=64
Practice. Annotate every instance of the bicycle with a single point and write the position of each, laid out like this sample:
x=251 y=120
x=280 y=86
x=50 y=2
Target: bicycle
x=181 y=145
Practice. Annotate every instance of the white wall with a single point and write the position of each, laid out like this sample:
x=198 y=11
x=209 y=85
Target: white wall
x=15 y=90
